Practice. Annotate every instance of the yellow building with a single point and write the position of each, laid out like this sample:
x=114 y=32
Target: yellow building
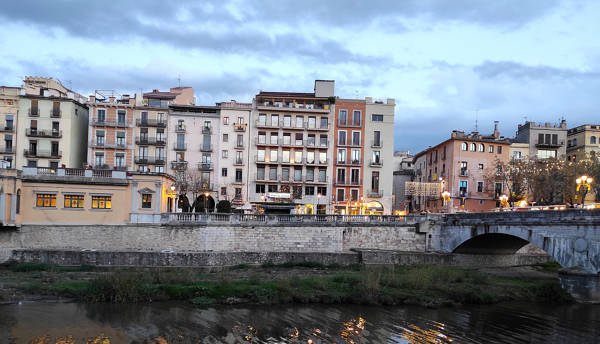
x=40 y=195
x=9 y=107
x=52 y=124
x=583 y=141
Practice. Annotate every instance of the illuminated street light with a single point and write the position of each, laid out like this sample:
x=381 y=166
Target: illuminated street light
x=586 y=182
x=503 y=201
x=446 y=197
x=206 y=194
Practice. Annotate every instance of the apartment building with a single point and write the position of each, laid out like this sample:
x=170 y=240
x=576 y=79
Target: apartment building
x=42 y=195
x=545 y=140
x=379 y=153
x=403 y=172
x=193 y=145
x=583 y=142
x=111 y=131
x=233 y=142
x=348 y=165
x=53 y=125
x=9 y=107
x=291 y=151
x=463 y=165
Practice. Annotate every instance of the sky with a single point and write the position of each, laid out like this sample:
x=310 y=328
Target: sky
x=446 y=63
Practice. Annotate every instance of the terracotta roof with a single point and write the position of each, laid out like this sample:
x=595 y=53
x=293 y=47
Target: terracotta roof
x=285 y=94
x=160 y=95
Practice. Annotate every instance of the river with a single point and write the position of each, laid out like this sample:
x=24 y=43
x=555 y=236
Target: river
x=184 y=323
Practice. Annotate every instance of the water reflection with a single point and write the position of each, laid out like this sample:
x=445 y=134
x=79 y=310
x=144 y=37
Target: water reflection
x=181 y=323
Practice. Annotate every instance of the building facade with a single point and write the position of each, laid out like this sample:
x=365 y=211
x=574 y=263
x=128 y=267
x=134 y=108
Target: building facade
x=583 y=142
x=465 y=166
x=233 y=139
x=545 y=140
x=403 y=172
x=291 y=151
x=111 y=136
x=9 y=107
x=53 y=125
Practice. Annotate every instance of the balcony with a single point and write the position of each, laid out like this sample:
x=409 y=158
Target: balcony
x=205 y=186
x=293 y=107
x=376 y=162
x=462 y=194
x=38 y=153
x=205 y=166
x=260 y=178
x=265 y=160
x=33 y=132
x=238 y=162
x=34 y=112
x=151 y=123
x=463 y=173
x=180 y=147
x=317 y=127
x=545 y=144
x=206 y=130
x=375 y=194
x=55 y=113
x=238 y=181
x=348 y=124
x=349 y=162
x=318 y=162
x=293 y=161
x=323 y=180
x=101 y=122
x=262 y=141
x=239 y=145
x=149 y=160
x=376 y=143
x=179 y=165
x=7 y=129
x=92 y=176
x=7 y=150
x=239 y=127
x=156 y=141
x=267 y=124
x=96 y=144
x=180 y=128
x=206 y=148
x=348 y=182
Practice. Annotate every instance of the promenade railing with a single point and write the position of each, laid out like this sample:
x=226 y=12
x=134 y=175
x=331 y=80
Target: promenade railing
x=210 y=218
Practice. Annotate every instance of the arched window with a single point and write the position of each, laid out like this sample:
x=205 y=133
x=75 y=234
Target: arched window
x=593 y=140
x=463 y=146
x=481 y=147
x=473 y=146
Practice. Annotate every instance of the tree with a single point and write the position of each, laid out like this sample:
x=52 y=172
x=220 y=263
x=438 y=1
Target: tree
x=189 y=183
x=224 y=207
x=514 y=176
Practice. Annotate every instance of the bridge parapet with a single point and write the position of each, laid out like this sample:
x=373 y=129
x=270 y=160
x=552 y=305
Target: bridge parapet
x=541 y=217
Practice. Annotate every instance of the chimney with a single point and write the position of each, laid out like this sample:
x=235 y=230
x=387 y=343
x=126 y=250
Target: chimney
x=496 y=132
x=111 y=100
x=92 y=99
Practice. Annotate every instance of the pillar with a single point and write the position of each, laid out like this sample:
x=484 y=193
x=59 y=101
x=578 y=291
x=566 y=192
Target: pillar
x=158 y=198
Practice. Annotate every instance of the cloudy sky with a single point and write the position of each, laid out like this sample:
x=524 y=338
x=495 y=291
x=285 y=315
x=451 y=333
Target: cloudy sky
x=443 y=61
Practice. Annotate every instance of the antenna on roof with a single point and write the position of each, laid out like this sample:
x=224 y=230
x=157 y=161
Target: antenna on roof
x=179 y=79
x=356 y=93
x=476 y=114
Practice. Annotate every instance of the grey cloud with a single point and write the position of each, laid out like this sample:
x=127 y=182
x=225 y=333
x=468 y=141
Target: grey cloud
x=489 y=70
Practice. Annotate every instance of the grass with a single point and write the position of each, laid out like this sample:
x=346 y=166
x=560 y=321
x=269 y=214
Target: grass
x=426 y=285
x=28 y=267
x=551 y=266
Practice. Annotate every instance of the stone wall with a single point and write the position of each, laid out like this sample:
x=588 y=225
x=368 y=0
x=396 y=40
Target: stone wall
x=217 y=238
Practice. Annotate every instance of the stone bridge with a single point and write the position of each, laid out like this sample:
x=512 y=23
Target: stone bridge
x=571 y=237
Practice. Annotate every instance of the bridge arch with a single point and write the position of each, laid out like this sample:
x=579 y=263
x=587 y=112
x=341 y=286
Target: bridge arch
x=491 y=243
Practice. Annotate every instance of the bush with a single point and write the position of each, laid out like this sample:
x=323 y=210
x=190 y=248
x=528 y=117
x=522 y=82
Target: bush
x=224 y=207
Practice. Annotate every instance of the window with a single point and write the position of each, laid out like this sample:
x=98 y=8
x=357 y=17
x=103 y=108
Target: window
x=355 y=156
x=224 y=154
x=356 y=117
x=491 y=149
x=18 y=210
x=273 y=156
x=100 y=137
x=239 y=159
x=377 y=138
x=499 y=149
x=463 y=168
x=260 y=188
x=479 y=186
x=497 y=189
x=120 y=159
x=298 y=174
x=224 y=172
x=273 y=173
x=593 y=140
x=287 y=121
x=240 y=141
x=223 y=191
x=99 y=159
x=517 y=155
x=180 y=141
x=322 y=190
x=9 y=122
x=472 y=147
x=272 y=188
x=341 y=156
x=309 y=191
x=275 y=121
x=480 y=166
x=262 y=119
x=375 y=181
x=377 y=118
x=299 y=138
x=120 y=139
x=285 y=174
x=101 y=202
x=260 y=155
x=310 y=174
x=299 y=122
x=147 y=201
x=463 y=146
x=46 y=200
x=287 y=139
x=356 y=138
x=225 y=120
x=273 y=140
x=340 y=195
x=238 y=175
x=310 y=157
x=159 y=169
x=341 y=138
x=121 y=117
x=238 y=194
x=343 y=117
x=323 y=140
x=462 y=188
x=354 y=195
x=481 y=147
x=101 y=115
x=546 y=154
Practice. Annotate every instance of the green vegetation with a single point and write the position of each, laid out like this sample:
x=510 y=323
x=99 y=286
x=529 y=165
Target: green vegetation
x=295 y=282
x=551 y=266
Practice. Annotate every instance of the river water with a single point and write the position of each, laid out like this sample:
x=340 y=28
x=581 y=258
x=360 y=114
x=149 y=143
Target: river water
x=184 y=323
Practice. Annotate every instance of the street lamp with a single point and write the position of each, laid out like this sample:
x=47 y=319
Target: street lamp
x=318 y=201
x=584 y=181
x=206 y=194
x=446 y=197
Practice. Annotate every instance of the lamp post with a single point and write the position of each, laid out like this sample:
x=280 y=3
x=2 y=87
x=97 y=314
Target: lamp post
x=584 y=181
x=206 y=194
x=318 y=201
x=446 y=198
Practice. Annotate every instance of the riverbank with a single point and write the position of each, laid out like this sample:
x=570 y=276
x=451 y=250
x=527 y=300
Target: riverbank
x=307 y=282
